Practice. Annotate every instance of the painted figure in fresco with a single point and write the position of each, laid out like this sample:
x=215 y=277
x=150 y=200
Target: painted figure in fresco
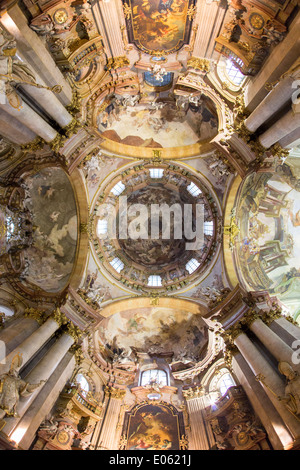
x=295 y=218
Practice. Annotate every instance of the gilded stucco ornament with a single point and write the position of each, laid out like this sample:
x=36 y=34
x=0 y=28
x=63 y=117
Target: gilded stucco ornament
x=191 y=393
x=36 y=314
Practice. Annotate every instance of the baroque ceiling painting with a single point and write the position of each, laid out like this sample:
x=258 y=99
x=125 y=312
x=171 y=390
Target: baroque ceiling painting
x=158 y=124
x=268 y=246
x=149 y=226
x=50 y=200
x=180 y=335
x=157 y=26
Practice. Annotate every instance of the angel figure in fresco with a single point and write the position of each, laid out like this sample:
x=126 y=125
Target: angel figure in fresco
x=12 y=387
x=295 y=218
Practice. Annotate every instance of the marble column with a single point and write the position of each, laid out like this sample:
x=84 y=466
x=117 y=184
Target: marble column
x=195 y=406
x=34 y=51
x=278 y=433
x=15 y=131
x=281 y=128
x=277 y=347
x=15 y=333
x=32 y=344
x=108 y=438
x=96 y=436
x=25 y=115
x=41 y=372
x=109 y=14
x=49 y=101
x=42 y=405
x=286 y=325
x=272 y=383
x=277 y=97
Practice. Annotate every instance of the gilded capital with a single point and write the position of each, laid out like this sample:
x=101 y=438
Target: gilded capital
x=193 y=392
x=271 y=315
x=36 y=314
x=59 y=317
x=115 y=392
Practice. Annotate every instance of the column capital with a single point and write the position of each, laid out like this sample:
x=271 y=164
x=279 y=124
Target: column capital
x=114 y=392
x=271 y=315
x=195 y=392
x=78 y=354
x=59 y=317
x=229 y=352
x=36 y=314
x=251 y=316
x=232 y=333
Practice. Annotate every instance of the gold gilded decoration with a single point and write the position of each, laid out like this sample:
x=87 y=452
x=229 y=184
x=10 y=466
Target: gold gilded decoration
x=127 y=11
x=60 y=16
x=183 y=442
x=191 y=393
x=199 y=64
x=257 y=21
x=117 y=62
x=191 y=12
x=74 y=331
x=123 y=442
x=36 y=314
x=232 y=333
x=72 y=127
x=36 y=144
x=59 y=317
x=78 y=354
x=231 y=230
x=114 y=392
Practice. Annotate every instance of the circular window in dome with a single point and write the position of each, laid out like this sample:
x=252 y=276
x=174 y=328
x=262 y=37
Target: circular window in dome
x=159 y=232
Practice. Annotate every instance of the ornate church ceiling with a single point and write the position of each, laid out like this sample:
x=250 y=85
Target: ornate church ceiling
x=147 y=87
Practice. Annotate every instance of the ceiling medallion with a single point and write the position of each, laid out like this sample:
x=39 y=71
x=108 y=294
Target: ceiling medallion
x=155 y=228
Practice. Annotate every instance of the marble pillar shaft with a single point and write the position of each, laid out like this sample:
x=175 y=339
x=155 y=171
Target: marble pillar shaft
x=34 y=51
x=277 y=347
x=195 y=408
x=281 y=128
x=15 y=333
x=273 y=384
x=270 y=104
x=44 y=401
x=50 y=103
x=108 y=436
x=42 y=371
x=278 y=434
x=14 y=130
x=29 y=118
x=32 y=344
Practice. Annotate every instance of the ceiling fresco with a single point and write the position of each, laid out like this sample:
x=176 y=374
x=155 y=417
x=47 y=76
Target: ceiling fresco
x=159 y=25
x=178 y=335
x=51 y=202
x=158 y=123
x=268 y=243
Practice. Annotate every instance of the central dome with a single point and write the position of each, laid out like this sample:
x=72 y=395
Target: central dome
x=166 y=249
x=157 y=211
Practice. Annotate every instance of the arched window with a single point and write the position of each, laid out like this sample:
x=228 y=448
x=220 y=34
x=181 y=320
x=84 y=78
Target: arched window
x=233 y=73
x=225 y=382
x=154 y=376
x=83 y=383
x=154 y=281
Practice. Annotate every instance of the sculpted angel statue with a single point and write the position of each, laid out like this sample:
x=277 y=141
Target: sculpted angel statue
x=292 y=389
x=12 y=387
